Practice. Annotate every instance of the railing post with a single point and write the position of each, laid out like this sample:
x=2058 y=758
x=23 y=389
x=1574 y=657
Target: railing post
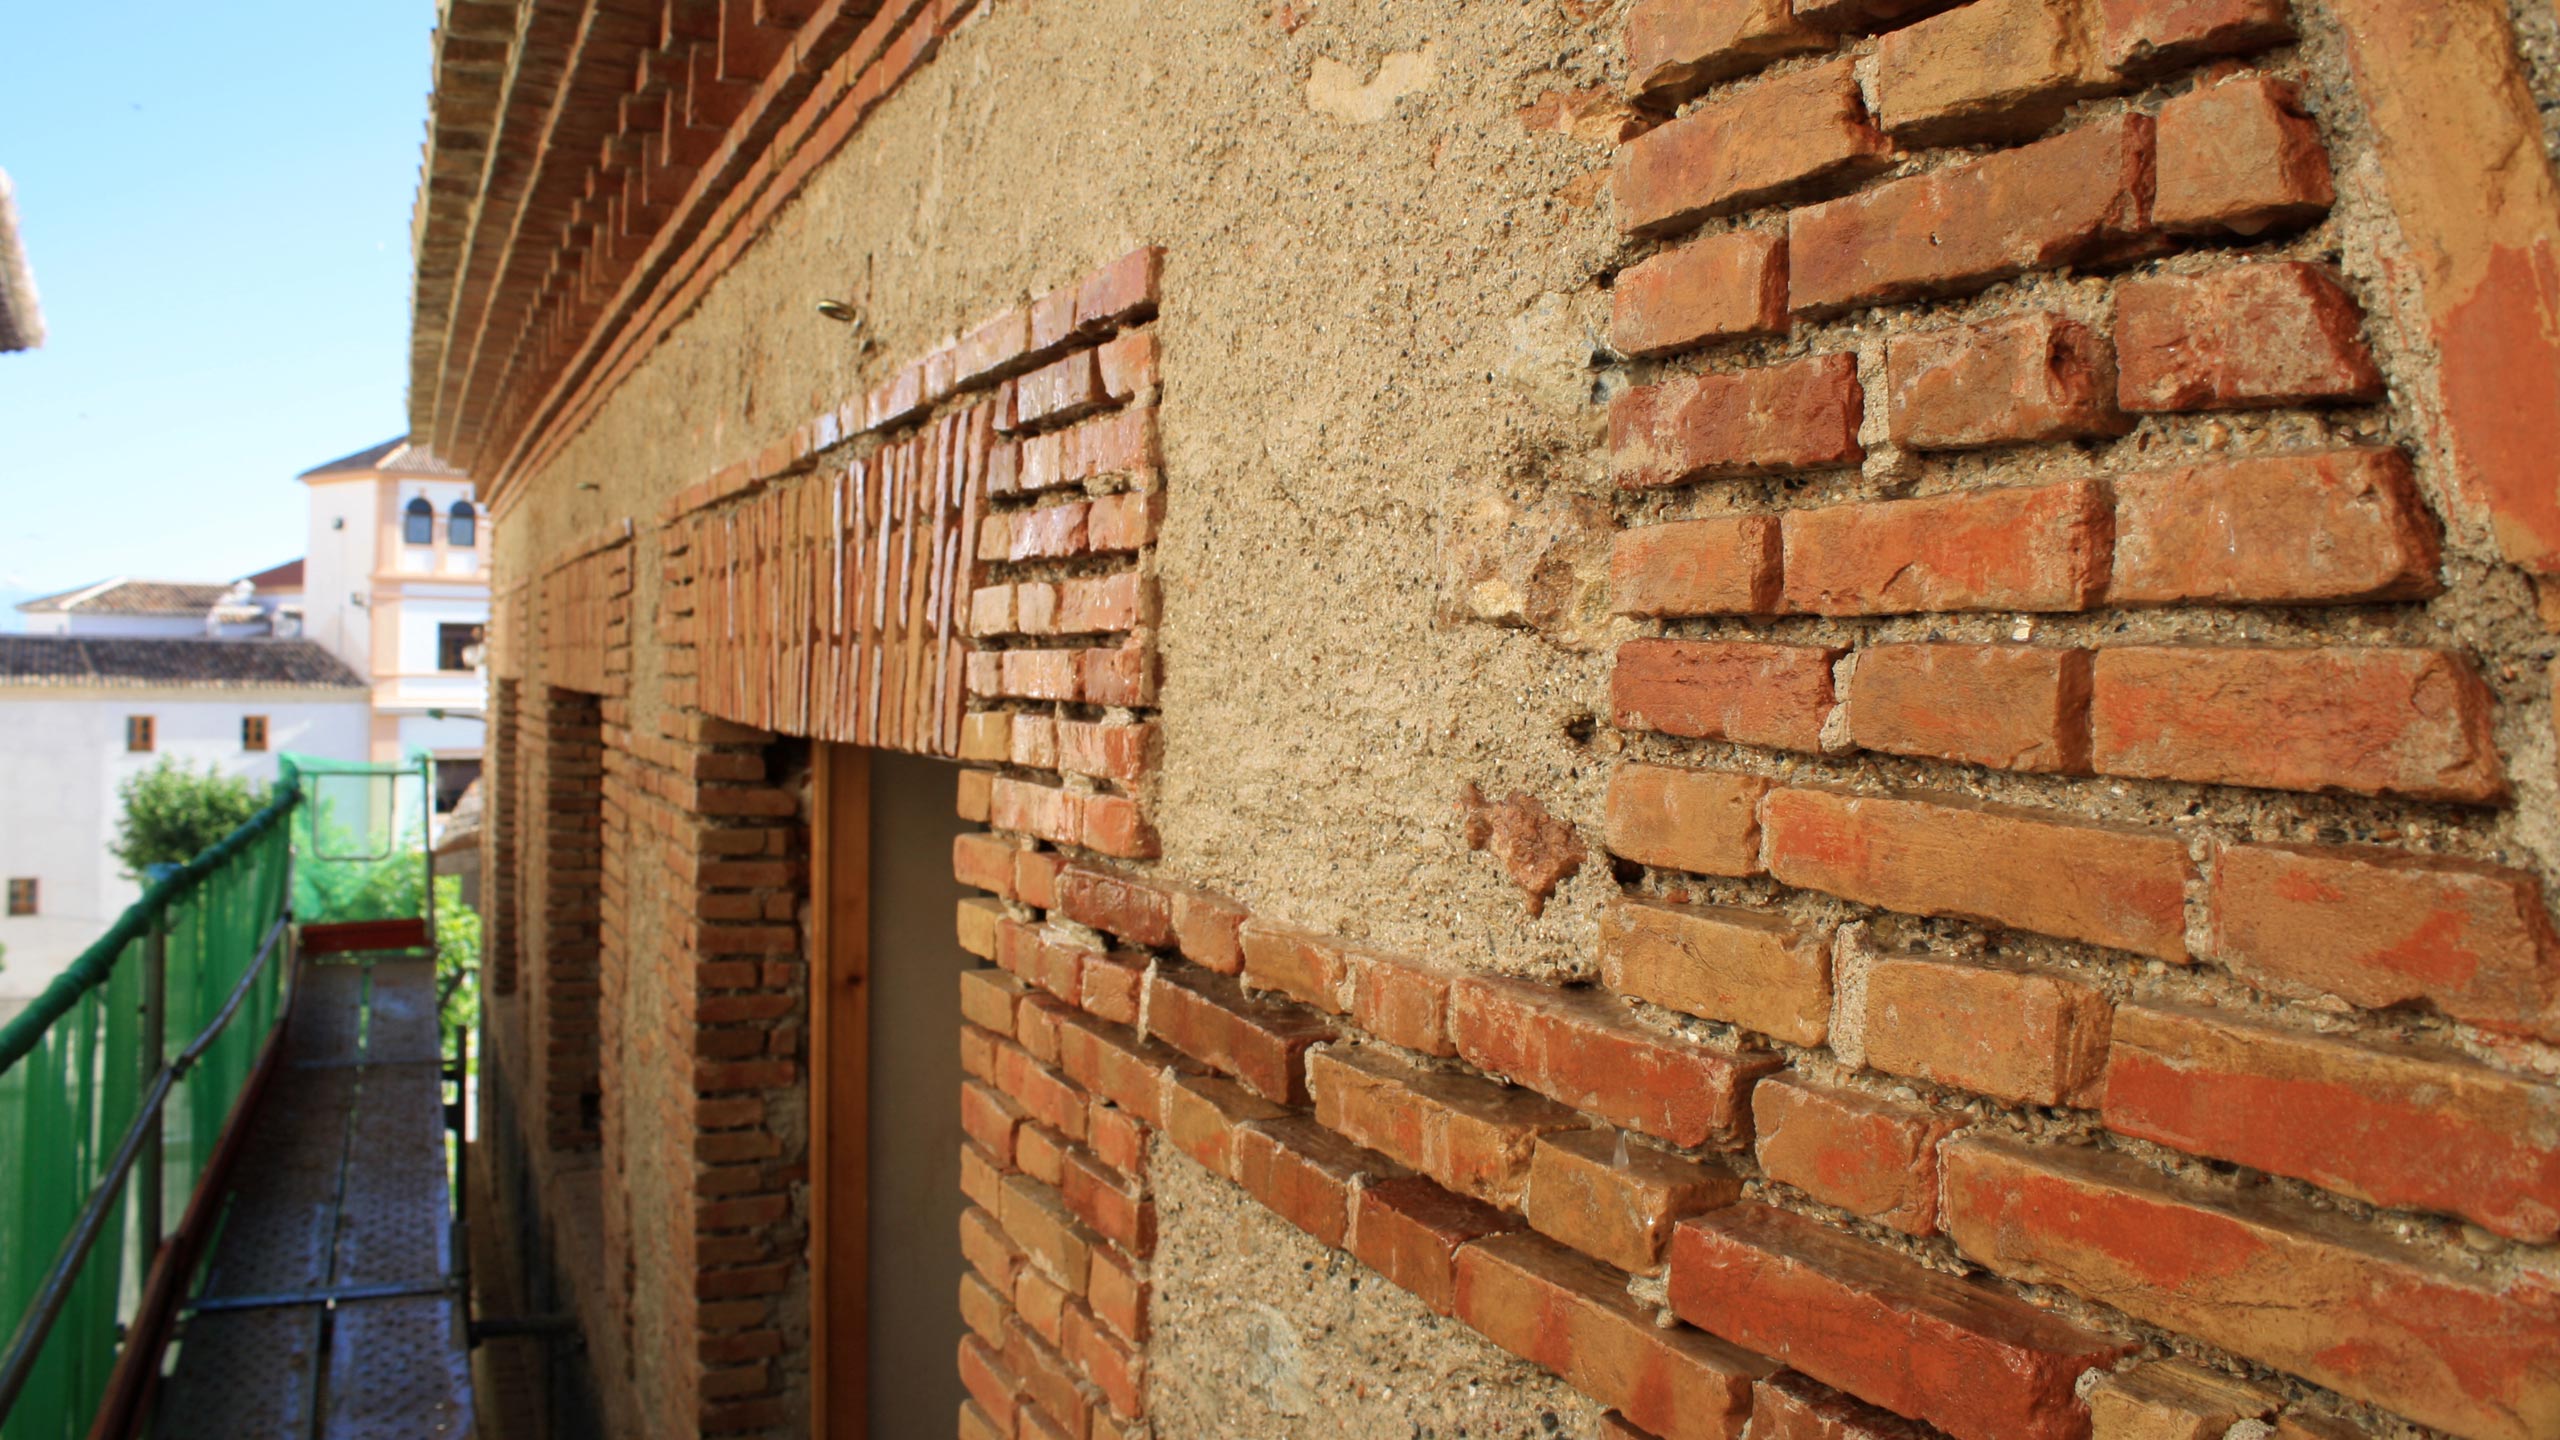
x=155 y=1054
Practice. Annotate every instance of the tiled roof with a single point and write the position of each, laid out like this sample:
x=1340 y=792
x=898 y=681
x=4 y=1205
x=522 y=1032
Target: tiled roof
x=287 y=576
x=395 y=456
x=70 y=660
x=130 y=597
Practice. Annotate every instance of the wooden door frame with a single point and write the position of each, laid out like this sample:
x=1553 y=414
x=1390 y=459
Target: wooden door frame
x=839 y=1093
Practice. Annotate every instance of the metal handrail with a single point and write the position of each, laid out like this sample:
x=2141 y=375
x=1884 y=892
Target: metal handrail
x=28 y=1343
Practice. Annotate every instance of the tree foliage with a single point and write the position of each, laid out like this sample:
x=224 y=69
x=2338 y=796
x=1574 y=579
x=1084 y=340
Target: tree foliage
x=174 y=812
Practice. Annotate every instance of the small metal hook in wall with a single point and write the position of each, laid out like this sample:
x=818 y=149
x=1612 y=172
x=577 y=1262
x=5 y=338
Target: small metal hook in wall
x=839 y=312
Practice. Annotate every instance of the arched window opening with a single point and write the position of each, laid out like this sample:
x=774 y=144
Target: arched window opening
x=419 y=525
x=462 y=526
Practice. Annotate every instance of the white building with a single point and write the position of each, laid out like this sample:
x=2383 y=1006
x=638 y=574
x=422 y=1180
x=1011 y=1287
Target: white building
x=82 y=713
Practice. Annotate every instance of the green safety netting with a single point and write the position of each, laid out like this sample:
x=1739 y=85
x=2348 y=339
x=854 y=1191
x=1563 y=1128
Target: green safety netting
x=358 y=841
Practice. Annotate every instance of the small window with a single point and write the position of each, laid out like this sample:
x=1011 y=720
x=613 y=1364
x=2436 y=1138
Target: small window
x=22 y=897
x=253 y=732
x=462 y=526
x=454 y=644
x=138 y=734
x=419 y=525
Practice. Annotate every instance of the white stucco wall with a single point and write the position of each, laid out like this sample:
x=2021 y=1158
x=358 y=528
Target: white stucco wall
x=338 y=570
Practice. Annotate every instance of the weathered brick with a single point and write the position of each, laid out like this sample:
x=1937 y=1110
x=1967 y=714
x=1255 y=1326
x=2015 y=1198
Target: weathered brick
x=1975 y=1363
x=1721 y=287
x=2386 y=927
x=2268 y=1279
x=1125 y=753
x=989 y=1118
x=2410 y=722
x=2107 y=885
x=1040 y=1223
x=2171 y=1400
x=1548 y=1305
x=1123 y=292
x=1402 y=1001
x=2242 y=157
x=1136 y=910
x=1584 y=1050
x=2012 y=1034
x=2080 y=197
x=1767 y=420
x=982 y=860
x=2039 y=376
x=1209 y=1018
x=1470 y=1134
x=2334 y=526
x=1776 y=138
x=1201 y=1113
x=1119 y=1294
x=2279 y=332
x=1793 y=1406
x=1704 y=821
x=1115 y=1208
x=2014 y=707
x=981 y=1308
x=2038 y=547
x=1760 y=971
x=988 y=997
x=1989 y=70
x=1616 y=1200
x=1209 y=930
x=1869 y=1156
x=988 y=1249
x=1114 y=1367
x=1112 y=985
x=2148 y=37
x=991 y=1384
x=1411 y=1230
x=2389 y=1124
x=1305 y=1172
x=1723 y=566
x=1751 y=694
x=1311 y=969
x=976 y=925
x=1676 y=48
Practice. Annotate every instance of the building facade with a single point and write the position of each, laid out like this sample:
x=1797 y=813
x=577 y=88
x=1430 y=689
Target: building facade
x=1595 y=719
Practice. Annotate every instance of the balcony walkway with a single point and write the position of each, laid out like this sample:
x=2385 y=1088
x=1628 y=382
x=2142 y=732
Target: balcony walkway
x=328 y=1308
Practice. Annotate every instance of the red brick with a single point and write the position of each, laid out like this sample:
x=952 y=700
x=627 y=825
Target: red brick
x=1963 y=1357
x=1770 y=420
x=1790 y=1406
x=1757 y=970
x=2171 y=1400
x=1777 y=138
x=1039 y=1222
x=1035 y=877
x=988 y=998
x=1113 y=1062
x=1704 y=821
x=1041 y=1091
x=1209 y=929
x=1112 y=985
x=1136 y=910
x=1616 y=1200
x=2279 y=332
x=988 y=1249
x=989 y=351
x=1123 y=292
x=981 y=1177
x=2385 y=927
x=1122 y=675
x=1048 y=1383
x=2107 y=885
x=2413 y=723
x=1125 y=753
x=1410 y=1230
x=2013 y=707
x=1751 y=694
x=1040 y=1153
x=2021 y=378
x=2242 y=157
x=1583 y=1049
x=1305 y=1172
x=1119 y=1295
x=1721 y=287
x=1401 y=1001
x=1470 y=1134
x=2270 y=1280
x=985 y=861
x=990 y=1119
x=1114 y=1208
x=2152 y=36
x=1126 y=521
x=1115 y=825
x=1548 y=1305
x=1308 y=968
x=2011 y=1034
x=994 y=1387
x=1050 y=532
x=1676 y=48
x=1115 y=1369
x=1871 y=1157
x=1201 y=1113
x=1212 y=1020
x=1724 y=566
x=1119 y=1139
x=2391 y=1125
x=2080 y=197
x=1989 y=70
x=2038 y=547
x=2334 y=526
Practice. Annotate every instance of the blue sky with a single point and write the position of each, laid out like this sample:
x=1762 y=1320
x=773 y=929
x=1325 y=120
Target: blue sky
x=215 y=202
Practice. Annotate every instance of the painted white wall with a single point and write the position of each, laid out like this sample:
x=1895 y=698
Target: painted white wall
x=62 y=756
x=337 y=570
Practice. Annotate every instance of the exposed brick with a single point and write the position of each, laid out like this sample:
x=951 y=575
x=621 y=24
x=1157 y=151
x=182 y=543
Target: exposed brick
x=2335 y=526
x=2079 y=197
x=1752 y=694
x=1410 y=1230
x=2171 y=1400
x=1201 y=1113
x=2151 y=36
x=988 y=1249
x=2267 y=1279
x=1616 y=1200
x=1583 y=1049
x=1308 y=968
x=1119 y=1139
x=2014 y=707
x=1871 y=1157
x=1212 y=1020
x=1138 y=911
x=2385 y=927
x=1209 y=929
x=988 y=997
x=2106 y=885
x=2279 y=332
x=1705 y=821
x=981 y=1178
x=989 y=1118
x=2029 y=377
x=1035 y=877
x=1793 y=1406
x=1989 y=70
x=2414 y=723
x=1112 y=986
x=1115 y=1369
x=1721 y=287
x=2242 y=157
x=1470 y=1134
x=976 y=927
x=1119 y=1295
x=1973 y=1362
x=2393 y=1125
x=1549 y=1305
x=1675 y=48
x=1115 y=1063
x=991 y=1384
x=1776 y=138
x=985 y=861
x=1304 y=1171
x=2038 y=547
x=1123 y=292
x=1771 y=419
x=2014 y=1034
x=1760 y=971
x=1040 y=1223
x=1118 y=1210
x=1124 y=753
x=1401 y=1001
x=1724 y=566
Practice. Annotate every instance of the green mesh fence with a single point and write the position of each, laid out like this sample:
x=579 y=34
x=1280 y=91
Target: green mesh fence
x=359 y=842
x=70 y=1087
